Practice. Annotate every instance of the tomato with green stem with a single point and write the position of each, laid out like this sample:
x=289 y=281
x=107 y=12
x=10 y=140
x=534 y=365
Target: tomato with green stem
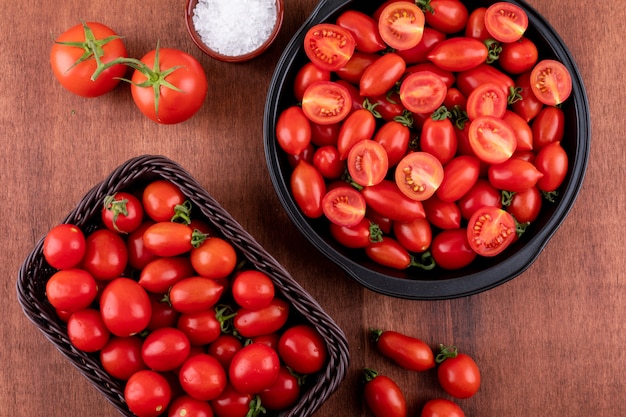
x=163 y=201
x=357 y=236
x=195 y=294
x=215 y=258
x=438 y=137
x=389 y=252
x=457 y=373
x=383 y=396
x=447 y=16
x=407 y=351
x=122 y=212
x=525 y=206
x=172 y=239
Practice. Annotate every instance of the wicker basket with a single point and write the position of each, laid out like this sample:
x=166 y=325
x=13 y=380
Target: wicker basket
x=134 y=174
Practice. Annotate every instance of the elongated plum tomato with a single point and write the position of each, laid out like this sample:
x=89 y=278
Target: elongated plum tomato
x=409 y=352
x=458 y=54
x=447 y=16
x=326 y=102
x=441 y=407
x=422 y=92
x=401 y=25
x=344 y=206
x=551 y=82
x=382 y=75
x=490 y=230
x=364 y=29
x=506 y=22
x=308 y=188
x=368 y=163
x=293 y=130
x=329 y=46
x=383 y=396
x=552 y=162
x=418 y=175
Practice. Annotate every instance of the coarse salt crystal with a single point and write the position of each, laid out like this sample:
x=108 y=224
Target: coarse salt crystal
x=234 y=27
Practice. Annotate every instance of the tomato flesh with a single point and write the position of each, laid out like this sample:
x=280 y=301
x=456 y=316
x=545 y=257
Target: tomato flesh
x=418 y=175
x=401 y=25
x=368 y=163
x=492 y=139
x=490 y=230
x=422 y=92
x=506 y=22
x=326 y=102
x=344 y=206
x=329 y=46
x=551 y=82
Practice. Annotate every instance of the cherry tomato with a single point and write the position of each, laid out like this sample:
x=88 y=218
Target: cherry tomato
x=303 y=349
x=457 y=373
x=388 y=201
x=160 y=274
x=364 y=30
x=106 y=255
x=394 y=136
x=418 y=175
x=490 y=230
x=87 y=331
x=64 y=246
x=514 y=175
x=201 y=327
x=409 y=352
x=162 y=200
x=492 y=139
x=73 y=61
x=215 y=258
x=506 y=22
x=467 y=81
x=308 y=188
x=548 y=127
x=447 y=16
x=147 y=393
x=401 y=25
x=451 y=250
x=163 y=314
x=202 y=377
x=438 y=138
x=389 y=252
x=446 y=76
x=71 y=289
x=383 y=396
x=454 y=98
x=224 y=348
x=344 y=206
x=551 y=82
x=254 y=368
x=328 y=162
x=329 y=46
x=552 y=162
x=251 y=323
x=459 y=176
x=415 y=235
x=367 y=163
x=121 y=357
x=442 y=214
x=171 y=238
x=529 y=105
x=322 y=135
x=519 y=56
x=293 y=130
x=357 y=236
x=125 y=307
x=475 y=27
x=122 y=212
x=138 y=255
x=458 y=54
x=283 y=393
x=326 y=102
x=195 y=294
x=388 y=106
x=359 y=125
x=253 y=289
x=487 y=100
x=185 y=406
x=482 y=194
x=165 y=349
x=418 y=53
x=523 y=132
x=382 y=75
x=525 y=206
x=422 y=92
x=307 y=75
x=355 y=67
x=441 y=407
x=232 y=403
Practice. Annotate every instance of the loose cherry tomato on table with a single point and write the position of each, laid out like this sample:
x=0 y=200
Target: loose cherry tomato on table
x=326 y=102
x=77 y=53
x=422 y=92
x=293 y=130
x=344 y=206
x=329 y=46
x=303 y=349
x=401 y=25
x=254 y=368
x=383 y=396
x=163 y=201
x=451 y=250
x=551 y=82
x=419 y=175
x=64 y=246
x=147 y=393
x=308 y=189
x=409 y=352
x=490 y=230
x=457 y=373
x=441 y=407
x=106 y=255
x=364 y=30
x=122 y=212
x=125 y=307
x=506 y=22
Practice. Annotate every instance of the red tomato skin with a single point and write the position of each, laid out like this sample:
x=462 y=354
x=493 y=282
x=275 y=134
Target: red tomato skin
x=308 y=189
x=71 y=290
x=389 y=252
x=389 y=106
x=122 y=213
x=475 y=27
x=254 y=368
x=459 y=376
x=442 y=214
x=195 y=294
x=458 y=54
x=160 y=274
x=328 y=162
x=202 y=377
x=357 y=236
x=322 y=135
x=519 y=56
x=451 y=250
x=552 y=162
x=138 y=255
x=446 y=76
x=231 y=403
x=64 y=246
x=384 y=397
x=224 y=348
x=303 y=349
x=359 y=125
x=409 y=352
x=168 y=238
x=523 y=131
x=253 y=289
x=251 y=323
x=293 y=130
x=174 y=106
x=447 y=16
x=125 y=307
x=529 y=106
x=415 y=235
x=460 y=175
x=382 y=75
x=159 y=200
x=121 y=357
x=215 y=258
x=147 y=393
x=514 y=175
x=439 y=139
x=87 y=331
x=548 y=127
x=165 y=349
x=441 y=407
x=364 y=30
x=468 y=80
x=418 y=53
x=186 y=406
x=482 y=194
x=201 y=328
x=77 y=78
x=106 y=255
x=394 y=138
x=163 y=314
x=283 y=393
x=308 y=74
x=387 y=199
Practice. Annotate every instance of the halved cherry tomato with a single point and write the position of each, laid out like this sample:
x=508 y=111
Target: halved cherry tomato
x=459 y=176
x=326 y=102
x=382 y=75
x=446 y=76
x=357 y=236
x=514 y=175
x=401 y=25
x=418 y=175
x=422 y=92
x=364 y=30
x=367 y=163
x=491 y=139
x=490 y=230
x=394 y=136
x=442 y=214
x=551 y=82
x=552 y=162
x=451 y=250
x=308 y=188
x=344 y=206
x=358 y=126
x=329 y=46
x=415 y=235
x=293 y=130
x=388 y=201
x=418 y=53
x=519 y=56
x=407 y=351
x=548 y=127
x=307 y=75
x=447 y=16
x=458 y=54
x=487 y=100
x=383 y=396
x=506 y=22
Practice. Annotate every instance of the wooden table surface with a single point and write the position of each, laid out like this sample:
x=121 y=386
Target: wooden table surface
x=550 y=342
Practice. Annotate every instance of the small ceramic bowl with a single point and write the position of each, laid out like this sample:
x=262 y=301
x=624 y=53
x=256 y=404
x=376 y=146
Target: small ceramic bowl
x=190 y=8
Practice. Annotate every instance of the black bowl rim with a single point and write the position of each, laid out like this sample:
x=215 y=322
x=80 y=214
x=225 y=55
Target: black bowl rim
x=474 y=283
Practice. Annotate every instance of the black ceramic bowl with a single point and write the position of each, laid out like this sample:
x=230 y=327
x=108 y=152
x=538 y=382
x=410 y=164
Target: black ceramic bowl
x=482 y=274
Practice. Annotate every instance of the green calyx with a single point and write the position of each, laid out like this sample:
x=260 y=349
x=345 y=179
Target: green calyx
x=256 y=408
x=446 y=352
x=117 y=207
x=92 y=48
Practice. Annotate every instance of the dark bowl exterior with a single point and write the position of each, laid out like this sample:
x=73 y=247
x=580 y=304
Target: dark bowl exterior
x=484 y=273
x=134 y=175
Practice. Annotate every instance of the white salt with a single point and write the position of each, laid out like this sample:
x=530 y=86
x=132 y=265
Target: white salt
x=234 y=27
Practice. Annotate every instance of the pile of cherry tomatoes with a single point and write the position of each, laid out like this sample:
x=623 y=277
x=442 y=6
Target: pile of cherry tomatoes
x=172 y=311
x=427 y=133
x=457 y=373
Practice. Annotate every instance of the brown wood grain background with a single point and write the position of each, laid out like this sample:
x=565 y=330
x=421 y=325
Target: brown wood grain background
x=550 y=342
